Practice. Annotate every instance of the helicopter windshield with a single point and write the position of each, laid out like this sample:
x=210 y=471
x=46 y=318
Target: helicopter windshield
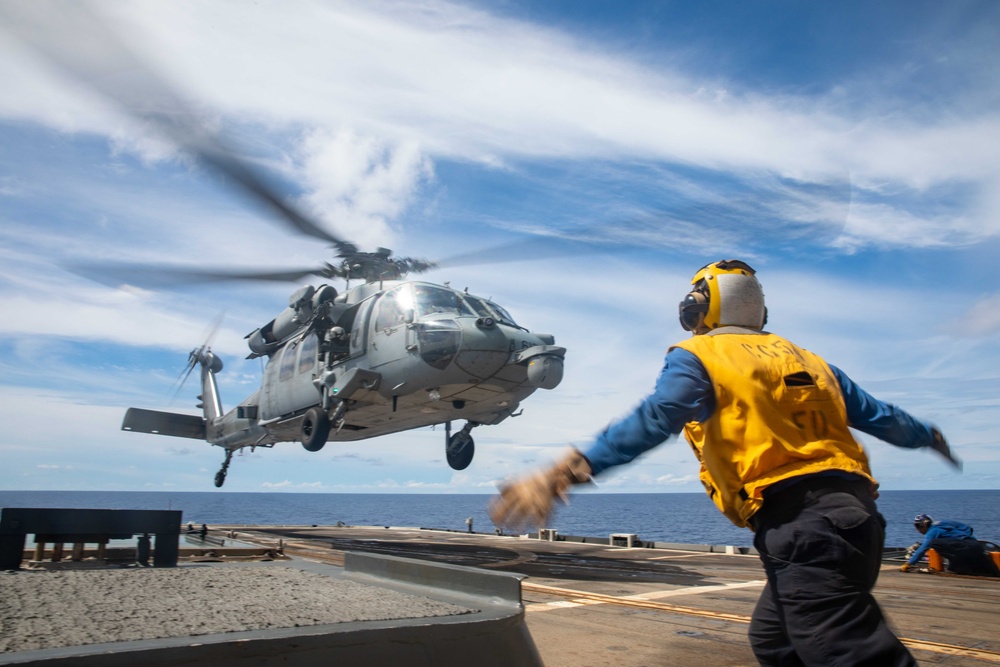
x=504 y=315
x=395 y=308
x=431 y=300
x=410 y=302
x=486 y=308
x=482 y=310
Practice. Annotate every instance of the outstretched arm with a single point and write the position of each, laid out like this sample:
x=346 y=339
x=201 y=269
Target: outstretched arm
x=888 y=422
x=683 y=393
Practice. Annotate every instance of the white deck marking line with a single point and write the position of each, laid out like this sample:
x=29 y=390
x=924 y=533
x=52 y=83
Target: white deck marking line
x=695 y=590
x=692 y=555
x=656 y=595
x=558 y=604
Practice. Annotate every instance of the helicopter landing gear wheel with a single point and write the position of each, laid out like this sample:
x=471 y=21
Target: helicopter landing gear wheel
x=220 y=477
x=459 y=448
x=315 y=429
x=460 y=451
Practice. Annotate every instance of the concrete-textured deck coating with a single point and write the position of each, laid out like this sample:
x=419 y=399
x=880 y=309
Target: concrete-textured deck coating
x=45 y=609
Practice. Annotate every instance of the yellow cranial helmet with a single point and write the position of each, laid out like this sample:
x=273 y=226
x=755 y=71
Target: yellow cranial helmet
x=725 y=293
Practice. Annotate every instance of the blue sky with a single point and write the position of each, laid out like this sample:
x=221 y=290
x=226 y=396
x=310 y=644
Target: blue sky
x=846 y=150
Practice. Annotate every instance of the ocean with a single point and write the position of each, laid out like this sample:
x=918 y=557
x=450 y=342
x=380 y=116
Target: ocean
x=688 y=518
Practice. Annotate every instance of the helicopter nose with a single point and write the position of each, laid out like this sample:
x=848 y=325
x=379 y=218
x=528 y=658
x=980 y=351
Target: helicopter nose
x=484 y=351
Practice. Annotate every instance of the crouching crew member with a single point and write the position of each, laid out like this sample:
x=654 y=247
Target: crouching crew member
x=954 y=541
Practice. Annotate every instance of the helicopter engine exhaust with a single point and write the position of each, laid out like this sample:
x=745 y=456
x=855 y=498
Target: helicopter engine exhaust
x=302 y=304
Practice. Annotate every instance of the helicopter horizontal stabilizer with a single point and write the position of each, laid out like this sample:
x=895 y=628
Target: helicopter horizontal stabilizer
x=164 y=423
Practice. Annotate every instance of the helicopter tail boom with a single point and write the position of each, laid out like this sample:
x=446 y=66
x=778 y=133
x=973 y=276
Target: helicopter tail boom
x=210 y=401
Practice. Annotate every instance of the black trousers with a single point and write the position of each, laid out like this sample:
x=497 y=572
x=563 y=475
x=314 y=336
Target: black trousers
x=965 y=556
x=821 y=544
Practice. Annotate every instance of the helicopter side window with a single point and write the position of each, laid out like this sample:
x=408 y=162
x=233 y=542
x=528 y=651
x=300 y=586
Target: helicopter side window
x=287 y=362
x=431 y=300
x=307 y=353
x=394 y=308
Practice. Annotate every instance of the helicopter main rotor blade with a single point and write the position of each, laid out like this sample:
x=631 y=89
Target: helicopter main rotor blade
x=225 y=162
x=144 y=275
x=76 y=41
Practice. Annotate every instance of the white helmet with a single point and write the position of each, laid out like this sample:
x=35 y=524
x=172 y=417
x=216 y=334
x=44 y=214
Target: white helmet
x=725 y=293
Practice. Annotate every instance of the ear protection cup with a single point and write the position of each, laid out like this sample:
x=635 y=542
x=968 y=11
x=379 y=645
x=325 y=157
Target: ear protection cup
x=692 y=309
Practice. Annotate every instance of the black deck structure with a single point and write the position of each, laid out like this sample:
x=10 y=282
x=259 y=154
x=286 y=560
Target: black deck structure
x=59 y=525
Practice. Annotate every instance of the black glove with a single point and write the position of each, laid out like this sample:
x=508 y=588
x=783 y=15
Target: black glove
x=940 y=445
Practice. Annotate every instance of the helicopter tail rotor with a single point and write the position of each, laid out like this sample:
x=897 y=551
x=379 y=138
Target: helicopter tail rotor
x=183 y=377
x=200 y=355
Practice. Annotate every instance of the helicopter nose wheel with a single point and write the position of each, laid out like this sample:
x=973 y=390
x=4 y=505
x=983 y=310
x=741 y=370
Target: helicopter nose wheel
x=459 y=448
x=315 y=429
x=220 y=477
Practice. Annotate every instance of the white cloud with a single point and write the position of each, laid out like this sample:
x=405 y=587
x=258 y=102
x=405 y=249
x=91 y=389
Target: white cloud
x=359 y=183
x=983 y=319
x=463 y=83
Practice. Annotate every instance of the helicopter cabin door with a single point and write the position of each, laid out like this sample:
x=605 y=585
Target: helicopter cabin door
x=390 y=336
x=288 y=385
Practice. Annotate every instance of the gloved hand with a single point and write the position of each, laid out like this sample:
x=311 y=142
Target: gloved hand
x=528 y=501
x=905 y=567
x=940 y=445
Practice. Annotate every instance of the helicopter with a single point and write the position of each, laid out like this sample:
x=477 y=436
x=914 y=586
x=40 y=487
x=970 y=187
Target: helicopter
x=385 y=356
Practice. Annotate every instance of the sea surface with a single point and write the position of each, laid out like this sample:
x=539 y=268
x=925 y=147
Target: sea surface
x=688 y=518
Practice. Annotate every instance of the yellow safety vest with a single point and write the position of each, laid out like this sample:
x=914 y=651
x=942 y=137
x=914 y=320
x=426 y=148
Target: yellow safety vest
x=779 y=413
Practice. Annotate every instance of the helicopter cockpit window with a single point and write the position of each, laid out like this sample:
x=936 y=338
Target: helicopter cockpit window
x=477 y=305
x=394 y=308
x=503 y=314
x=307 y=353
x=431 y=300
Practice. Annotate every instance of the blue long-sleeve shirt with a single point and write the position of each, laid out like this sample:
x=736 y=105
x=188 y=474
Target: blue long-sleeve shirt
x=684 y=393
x=952 y=530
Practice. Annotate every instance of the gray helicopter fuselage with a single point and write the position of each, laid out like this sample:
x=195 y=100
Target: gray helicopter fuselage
x=412 y=354
x=382 y=358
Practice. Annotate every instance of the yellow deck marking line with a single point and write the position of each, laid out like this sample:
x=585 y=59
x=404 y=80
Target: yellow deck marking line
x=951 y=649
x=582 y=596
x=578 y=598
x=655 y=595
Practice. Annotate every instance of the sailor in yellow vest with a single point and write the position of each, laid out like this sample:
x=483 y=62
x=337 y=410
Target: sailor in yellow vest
x=770 y=423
